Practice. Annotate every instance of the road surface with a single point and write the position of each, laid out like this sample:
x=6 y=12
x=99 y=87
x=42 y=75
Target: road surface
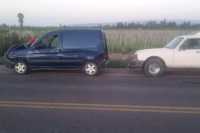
x=115 y=101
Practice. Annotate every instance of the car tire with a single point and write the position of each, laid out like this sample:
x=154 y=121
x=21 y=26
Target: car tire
x=91 y=68
x=21 y=67
x=154 y=68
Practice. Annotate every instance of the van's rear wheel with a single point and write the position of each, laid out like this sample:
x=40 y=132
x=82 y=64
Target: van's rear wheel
x=91 y=68
x=21 y=67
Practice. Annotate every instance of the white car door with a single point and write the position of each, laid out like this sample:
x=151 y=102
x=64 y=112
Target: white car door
x=189 y=55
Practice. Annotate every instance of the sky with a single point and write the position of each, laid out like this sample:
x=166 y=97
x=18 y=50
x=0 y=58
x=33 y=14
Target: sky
x=70 y=12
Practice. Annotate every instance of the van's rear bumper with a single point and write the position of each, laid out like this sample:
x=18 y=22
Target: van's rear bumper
x=102 y=63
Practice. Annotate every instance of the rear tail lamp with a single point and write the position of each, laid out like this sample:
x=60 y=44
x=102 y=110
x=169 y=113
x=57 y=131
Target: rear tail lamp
x=103 y=55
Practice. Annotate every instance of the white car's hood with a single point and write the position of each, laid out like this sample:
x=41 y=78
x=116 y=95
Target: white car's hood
x=154 y=50
x=163 y=53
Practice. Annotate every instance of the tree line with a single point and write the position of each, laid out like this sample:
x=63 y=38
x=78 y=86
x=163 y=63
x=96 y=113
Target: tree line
x=154 y=25
x=146 y=25
x=129 y=25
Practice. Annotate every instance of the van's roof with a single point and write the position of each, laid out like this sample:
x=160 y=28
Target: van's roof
x=76 y=30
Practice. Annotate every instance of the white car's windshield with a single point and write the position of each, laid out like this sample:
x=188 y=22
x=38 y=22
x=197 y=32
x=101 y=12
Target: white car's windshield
x=174 y=43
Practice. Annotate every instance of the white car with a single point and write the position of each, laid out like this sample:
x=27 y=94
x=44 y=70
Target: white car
x=181 y=52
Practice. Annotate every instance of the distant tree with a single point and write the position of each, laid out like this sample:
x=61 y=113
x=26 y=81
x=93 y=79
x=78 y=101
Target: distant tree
x=4 y=25
x=20 y=19
x=186 y=24
x=171 y=24
x=131 y=25
x=138 y=25
x=120 y=25
x=126 y=24
x=107 y=26
x=151 y=24
x=163 y=23
x=99 y=25
x=196 y=26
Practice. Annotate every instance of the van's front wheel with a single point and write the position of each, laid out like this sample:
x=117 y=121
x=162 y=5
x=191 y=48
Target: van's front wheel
x=91 y=68
x=21 y=67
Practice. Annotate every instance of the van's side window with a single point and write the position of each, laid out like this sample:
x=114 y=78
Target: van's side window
x=81 y=40
x=48 y=42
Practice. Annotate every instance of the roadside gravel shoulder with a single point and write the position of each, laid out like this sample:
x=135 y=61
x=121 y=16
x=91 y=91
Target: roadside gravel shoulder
x=113 y=71
x=5 y=69
x=103 y=71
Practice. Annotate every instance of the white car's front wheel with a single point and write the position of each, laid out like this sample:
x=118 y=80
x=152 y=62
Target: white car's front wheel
x=154 y=67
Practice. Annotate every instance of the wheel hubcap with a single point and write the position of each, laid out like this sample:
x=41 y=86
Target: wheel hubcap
x=90 y=69
x=20 y=68
x=154 y=68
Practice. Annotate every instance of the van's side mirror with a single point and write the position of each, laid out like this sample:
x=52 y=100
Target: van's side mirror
x=58 y=49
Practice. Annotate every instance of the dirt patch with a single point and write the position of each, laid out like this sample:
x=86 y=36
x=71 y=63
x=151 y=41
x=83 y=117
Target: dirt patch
x=119 y=56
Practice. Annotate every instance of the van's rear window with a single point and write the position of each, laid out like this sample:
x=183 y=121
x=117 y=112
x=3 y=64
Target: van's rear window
x=81 y=40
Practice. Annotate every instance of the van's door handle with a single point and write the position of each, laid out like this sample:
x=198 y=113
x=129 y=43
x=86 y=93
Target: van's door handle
x=197 y=51
x=58 y=50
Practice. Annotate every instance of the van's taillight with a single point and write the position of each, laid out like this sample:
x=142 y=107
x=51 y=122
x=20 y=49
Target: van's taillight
x=103 y=55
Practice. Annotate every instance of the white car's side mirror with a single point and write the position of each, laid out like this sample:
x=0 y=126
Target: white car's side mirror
x=182 y=48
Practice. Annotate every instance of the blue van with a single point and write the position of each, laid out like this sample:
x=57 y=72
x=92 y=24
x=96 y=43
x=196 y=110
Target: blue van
x=86 y=49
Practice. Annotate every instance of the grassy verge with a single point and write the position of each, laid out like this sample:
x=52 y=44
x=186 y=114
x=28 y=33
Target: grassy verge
x=119 y=41
x=11 y=38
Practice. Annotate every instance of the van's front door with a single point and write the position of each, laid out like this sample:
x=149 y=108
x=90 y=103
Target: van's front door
x=45 y=53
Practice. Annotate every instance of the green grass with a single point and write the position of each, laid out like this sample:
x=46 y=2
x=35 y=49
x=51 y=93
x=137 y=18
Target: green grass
x=130 y=47
x=12 y=38
x=126 y=41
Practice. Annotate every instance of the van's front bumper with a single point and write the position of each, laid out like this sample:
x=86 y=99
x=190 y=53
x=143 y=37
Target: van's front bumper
x=7 y=62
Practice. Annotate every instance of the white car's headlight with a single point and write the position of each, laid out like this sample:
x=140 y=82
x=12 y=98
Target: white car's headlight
x=135 y=57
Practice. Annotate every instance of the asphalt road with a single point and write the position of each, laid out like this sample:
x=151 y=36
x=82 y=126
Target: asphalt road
x=115 y=101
